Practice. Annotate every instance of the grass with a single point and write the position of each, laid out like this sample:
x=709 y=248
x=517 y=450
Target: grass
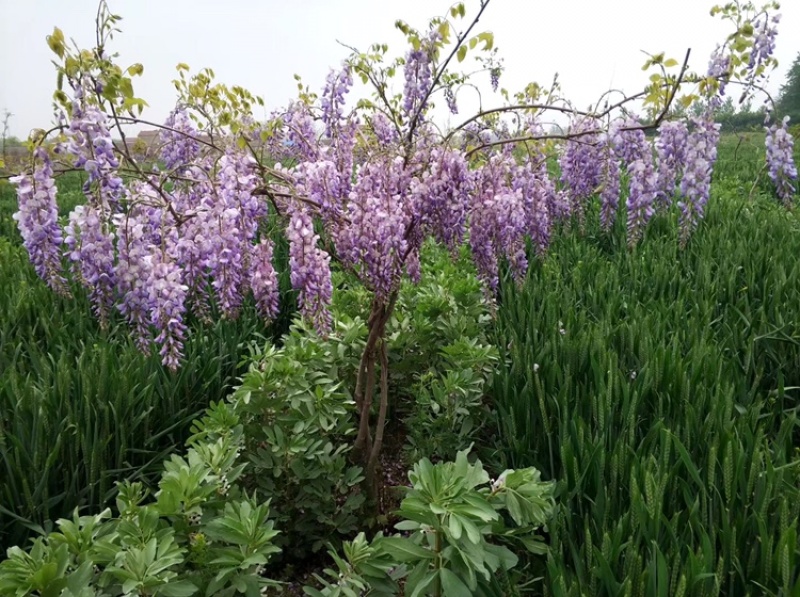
x=661 y=388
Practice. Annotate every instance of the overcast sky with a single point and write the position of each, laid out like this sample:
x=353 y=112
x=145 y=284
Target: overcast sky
x=260 y=44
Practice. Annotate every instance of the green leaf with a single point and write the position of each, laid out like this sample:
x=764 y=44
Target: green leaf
x=181 y=588
x=454 y=526
x=452 y=585
x=462 y=53
x=405 y=550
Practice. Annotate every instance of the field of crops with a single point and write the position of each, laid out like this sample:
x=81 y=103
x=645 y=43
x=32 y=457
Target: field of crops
x=658 y=388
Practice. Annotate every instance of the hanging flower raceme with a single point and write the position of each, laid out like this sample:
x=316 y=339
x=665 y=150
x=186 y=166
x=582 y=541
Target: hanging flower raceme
x=90 y=244
x=450 y=98
x=235 y=212
x=633 y=149
x=641 y=196
x=765 y=30
x=441 y=197
x=179 y=146
x=719 y=68
x=264 y=279
x=609 y=195
x=300 y=139
x=195 y=244
x=374 y=243
x=135 y=236
x=332 y=100
x=323 y=185
x=167 y=295
x=418 y=79
x=310 y=268
x=533 y=182
x=696 y=182
x=37 y=220
x=89 y=141
x=497 y=223
x=385 y=132
x=780 y=160
x=671 y=151
x=581 y=164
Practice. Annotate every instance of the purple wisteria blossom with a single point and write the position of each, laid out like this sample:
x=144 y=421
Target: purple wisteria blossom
x=374 y=243
x=384 y=130
x=332 y=100
x=497 y=223
x=90 y=243
x=450 y=98
x=149 y=280
x=310 y=269
x=719 y=68
x=37 y=220
x=325 y=187
x=494 y=77
x=441 y=197
x=609 y=196
x=135 y=235
x=235 y=212
x=671 y=151
x=264 y=279
x=167 y=296
x=765 y=30
x=179 y=147
x=633 y=149
x=641 y=195
x=418 y=79
x=89 y=141
x=696 y=182
x=194 y=246
x=780 y=160
x=581 y=164
x=533 y=182
x=300 y=139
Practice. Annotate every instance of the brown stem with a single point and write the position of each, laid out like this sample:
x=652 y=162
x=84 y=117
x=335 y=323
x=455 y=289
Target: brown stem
x=363 y=443
x=365 y=381
x=372 y=463
x=372 y=339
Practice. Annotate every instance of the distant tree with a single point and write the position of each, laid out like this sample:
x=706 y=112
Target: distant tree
x=789 y=100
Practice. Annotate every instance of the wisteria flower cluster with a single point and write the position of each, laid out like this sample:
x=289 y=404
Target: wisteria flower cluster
x=780 y=160
x=37 y=220
x=179 y=140
x=671 y=146
x=636 y=154
x=695 y=185
x=194 y=232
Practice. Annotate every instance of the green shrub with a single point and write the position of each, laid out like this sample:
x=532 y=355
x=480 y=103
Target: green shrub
x=440 y=358
x=199 y=535
x=460 y=524
x=298 y=421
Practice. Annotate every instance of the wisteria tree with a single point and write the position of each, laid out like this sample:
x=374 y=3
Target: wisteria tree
x=358 y=184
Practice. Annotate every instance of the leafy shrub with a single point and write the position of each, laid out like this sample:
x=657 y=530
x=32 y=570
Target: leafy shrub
x=297 y=417
x=460 y=525
x=441 y=359
x=200 y=535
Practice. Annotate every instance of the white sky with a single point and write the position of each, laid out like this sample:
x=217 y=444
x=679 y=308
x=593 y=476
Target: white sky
x=260 y=44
